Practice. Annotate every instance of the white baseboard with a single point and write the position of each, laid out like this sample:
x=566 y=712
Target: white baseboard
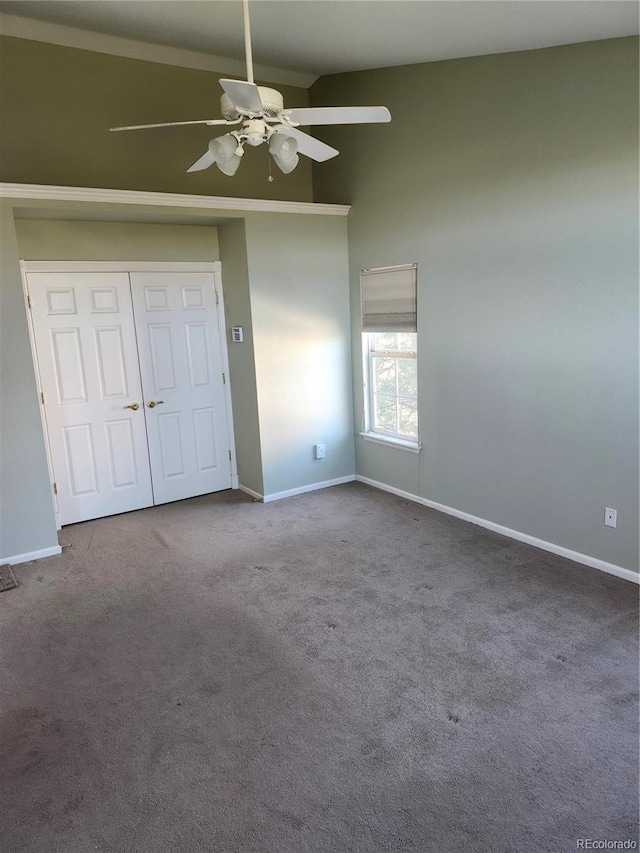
x=31 y=555
x=585 y=559
x=312 y=487
x=250 y=492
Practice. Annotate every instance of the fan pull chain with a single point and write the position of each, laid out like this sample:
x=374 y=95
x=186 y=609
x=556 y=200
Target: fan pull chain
x=270 y=178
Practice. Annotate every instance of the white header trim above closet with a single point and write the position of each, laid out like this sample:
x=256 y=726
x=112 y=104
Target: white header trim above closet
x=121 y=266
x=209 y=202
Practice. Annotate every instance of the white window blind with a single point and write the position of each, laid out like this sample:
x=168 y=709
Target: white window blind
x=389 y=299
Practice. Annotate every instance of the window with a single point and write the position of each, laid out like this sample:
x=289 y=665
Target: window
x=393 y=384
x=390 y=350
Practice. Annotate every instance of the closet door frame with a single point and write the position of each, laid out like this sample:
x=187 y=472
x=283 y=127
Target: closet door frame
x=214 y=267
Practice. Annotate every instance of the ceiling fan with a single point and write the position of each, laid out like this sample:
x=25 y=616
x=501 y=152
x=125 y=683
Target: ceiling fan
x=259 y=111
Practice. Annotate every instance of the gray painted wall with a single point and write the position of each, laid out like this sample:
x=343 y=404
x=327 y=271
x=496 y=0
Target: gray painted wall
x=26 y=510
x=515 y=188
x=299 y=277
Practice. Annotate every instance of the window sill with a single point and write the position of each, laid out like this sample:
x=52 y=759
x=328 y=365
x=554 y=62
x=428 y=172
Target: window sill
x=400 y=443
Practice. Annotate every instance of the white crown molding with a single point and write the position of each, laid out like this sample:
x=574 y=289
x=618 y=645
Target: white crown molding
x=41 y=192
x=27 y=28
x=561 y=551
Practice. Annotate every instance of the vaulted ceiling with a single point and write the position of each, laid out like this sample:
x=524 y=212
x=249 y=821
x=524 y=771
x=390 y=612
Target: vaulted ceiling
x=320 y=37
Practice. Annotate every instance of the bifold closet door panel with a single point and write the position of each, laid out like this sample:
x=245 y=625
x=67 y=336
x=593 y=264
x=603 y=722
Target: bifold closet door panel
x=88 y=362
x=182 y=378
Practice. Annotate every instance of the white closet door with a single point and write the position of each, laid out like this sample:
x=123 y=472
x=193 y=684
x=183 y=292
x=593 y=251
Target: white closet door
x=88 y=361
x=182 y=378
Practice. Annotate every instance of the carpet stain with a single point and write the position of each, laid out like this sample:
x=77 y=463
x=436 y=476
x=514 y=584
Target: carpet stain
x=212 y=688
x=160 y=538
x=291 y=819
x=623 y=699
x=20 y=723
x=370 y=746
x=453 y=718
x=561 y=658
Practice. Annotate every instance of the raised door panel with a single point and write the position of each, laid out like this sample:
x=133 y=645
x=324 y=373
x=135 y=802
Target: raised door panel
x=162 y=358
x=80 y=460
x=181 y=366
x=111 y=363
x=88 y=362
x=68 y=363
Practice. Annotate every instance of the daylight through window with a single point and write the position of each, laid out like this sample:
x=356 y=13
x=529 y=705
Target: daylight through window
x=394 y=384
x=389 y=323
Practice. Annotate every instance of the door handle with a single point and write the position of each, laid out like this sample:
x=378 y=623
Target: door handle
x=153 y=403
x=134 y=406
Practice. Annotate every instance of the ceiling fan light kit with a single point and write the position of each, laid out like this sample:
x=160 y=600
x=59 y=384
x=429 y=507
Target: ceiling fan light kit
x=226 y=152
x=260 y=112
x=284 y=150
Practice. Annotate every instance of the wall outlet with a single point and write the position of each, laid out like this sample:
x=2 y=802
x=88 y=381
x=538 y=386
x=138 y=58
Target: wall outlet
x=319 y=451
x=610 y=516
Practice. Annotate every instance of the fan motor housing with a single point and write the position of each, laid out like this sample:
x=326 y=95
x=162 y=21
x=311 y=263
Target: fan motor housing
x=272 y=104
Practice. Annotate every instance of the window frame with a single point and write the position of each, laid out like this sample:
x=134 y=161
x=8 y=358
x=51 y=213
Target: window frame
x=377 y=435
x=388 y=304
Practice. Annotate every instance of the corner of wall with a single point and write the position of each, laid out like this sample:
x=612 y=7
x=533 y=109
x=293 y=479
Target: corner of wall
x=235 y=282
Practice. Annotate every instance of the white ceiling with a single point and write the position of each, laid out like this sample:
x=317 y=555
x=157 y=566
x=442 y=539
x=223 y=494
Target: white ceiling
x=326 y=36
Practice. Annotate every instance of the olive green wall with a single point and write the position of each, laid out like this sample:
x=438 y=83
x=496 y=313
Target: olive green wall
x=58 y=104
x=61 y=240
x=512 y=180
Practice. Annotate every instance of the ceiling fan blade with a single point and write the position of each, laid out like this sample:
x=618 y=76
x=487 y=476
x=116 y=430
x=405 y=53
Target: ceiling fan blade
x=209 y=121
x=337 y=115
x=245 y=96
x=308 y=145
x=203 y=162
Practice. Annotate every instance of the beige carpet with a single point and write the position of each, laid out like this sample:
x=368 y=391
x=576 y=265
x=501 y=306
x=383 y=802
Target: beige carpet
x=340 y=672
